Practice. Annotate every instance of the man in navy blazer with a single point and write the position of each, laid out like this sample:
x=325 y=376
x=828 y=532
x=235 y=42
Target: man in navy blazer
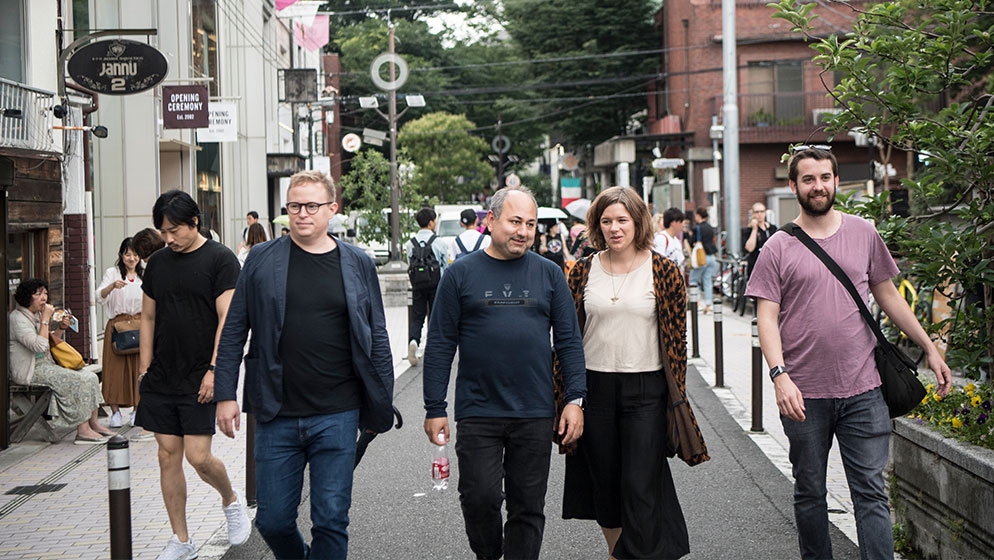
x=318 y=369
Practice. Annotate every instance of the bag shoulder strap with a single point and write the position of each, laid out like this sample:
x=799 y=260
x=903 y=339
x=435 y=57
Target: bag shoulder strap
x=795 y=230
x=462 y=248
x=479 y=241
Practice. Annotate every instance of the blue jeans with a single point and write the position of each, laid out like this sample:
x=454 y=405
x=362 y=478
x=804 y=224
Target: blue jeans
x=283 y=446
x=862 y=426
x=498 y=457
x=704 y=278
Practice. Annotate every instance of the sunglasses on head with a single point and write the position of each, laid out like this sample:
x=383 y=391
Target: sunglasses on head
x=802 y=147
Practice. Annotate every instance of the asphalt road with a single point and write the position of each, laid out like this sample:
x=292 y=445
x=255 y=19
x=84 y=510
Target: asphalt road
x=737 y=505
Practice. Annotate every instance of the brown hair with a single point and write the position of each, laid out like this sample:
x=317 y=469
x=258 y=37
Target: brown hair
x=146 y=242
x=810 y=153
x=311 y=176
x=256 y=234
x=636 y=209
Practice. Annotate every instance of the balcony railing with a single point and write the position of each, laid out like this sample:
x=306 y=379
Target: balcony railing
x=805 y=109
x=26 y=120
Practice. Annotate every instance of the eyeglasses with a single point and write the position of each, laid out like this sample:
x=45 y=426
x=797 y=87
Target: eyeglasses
x=802 y=147
x=312 y=207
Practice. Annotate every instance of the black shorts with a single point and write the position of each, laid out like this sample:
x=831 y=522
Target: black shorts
x=176 y=415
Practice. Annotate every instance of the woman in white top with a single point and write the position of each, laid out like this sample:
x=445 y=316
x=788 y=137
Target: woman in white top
x=631 y=308
x=256 y=234
x=121 y=293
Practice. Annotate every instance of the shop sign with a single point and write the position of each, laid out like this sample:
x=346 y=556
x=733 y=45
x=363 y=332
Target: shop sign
x=185 y=107
x=117 y=67
x=223 y=125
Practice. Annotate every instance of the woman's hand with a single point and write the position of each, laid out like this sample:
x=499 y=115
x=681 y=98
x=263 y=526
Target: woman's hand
x=66 y=320
x=47 y=312
x=118 y=284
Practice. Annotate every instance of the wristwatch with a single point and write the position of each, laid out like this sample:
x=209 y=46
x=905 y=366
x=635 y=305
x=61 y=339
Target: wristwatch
x=580 y=402
x=210 y=367
x=775 y=371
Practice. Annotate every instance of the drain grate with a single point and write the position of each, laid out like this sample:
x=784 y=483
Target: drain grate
x=35 y=489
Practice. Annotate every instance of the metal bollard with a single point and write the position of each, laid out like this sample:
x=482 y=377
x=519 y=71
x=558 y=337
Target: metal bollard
x=249 y=459
x=119 y=497
x=696 y=345
x=719 y=347
x=757 y=379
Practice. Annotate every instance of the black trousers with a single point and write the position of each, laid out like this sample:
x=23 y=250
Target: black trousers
x=421 y=302
x=517 y=452
x=624 y=442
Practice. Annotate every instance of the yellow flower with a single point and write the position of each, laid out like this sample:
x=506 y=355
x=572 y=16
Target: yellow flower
x=929 y=388
x=957 y=423
x=975 y=401
x=970 y=388
x=936 y=397
x=925 y=399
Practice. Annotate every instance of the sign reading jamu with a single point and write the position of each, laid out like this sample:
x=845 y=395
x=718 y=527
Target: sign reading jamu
x=117 y=67
x=185 y=107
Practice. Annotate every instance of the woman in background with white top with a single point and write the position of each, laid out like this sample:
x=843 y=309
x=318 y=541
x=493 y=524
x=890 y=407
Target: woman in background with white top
x=121 y=294
x=631 y=308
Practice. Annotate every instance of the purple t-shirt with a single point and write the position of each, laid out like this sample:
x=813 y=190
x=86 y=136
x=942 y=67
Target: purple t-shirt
x=827 y=346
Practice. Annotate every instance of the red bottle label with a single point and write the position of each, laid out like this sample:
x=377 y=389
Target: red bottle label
x=440 y=468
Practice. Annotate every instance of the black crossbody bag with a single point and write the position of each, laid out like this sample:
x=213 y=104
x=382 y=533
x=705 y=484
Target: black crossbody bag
x=899 y=382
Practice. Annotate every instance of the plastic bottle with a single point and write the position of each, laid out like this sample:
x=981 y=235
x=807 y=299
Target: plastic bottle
x=440 y=465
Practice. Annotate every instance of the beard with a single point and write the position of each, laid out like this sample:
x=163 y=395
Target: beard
x=819 y=208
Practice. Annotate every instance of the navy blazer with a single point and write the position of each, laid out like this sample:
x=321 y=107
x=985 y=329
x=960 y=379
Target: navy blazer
x=259 y=305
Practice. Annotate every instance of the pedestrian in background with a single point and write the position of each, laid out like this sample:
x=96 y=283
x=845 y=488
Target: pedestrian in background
x=120 y=293
x=666 y=241
x=631 y=306
x=318 y=369
x=187 y=290
x=146 y=242
x=423 y=295
x=497 y=307
x=755 y=235
x=552 y=245
x=469 y=240
x=822 y=355
x=703 y=276
x=256 y=235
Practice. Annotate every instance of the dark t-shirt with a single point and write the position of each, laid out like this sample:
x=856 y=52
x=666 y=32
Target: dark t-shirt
x=315 y=345
x=707 y=237
x=761 y=236
x=185 y=287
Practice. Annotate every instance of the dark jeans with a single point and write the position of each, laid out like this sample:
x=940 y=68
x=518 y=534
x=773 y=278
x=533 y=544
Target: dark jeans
x=282 y=447
x=624 y=443
x=421 y=303
x=517 y=452
x=862 y=426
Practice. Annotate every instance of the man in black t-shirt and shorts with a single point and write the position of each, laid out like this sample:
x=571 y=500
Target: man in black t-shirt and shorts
x=187 y=292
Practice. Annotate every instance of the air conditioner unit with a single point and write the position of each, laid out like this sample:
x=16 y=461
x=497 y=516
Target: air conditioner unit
x=818 y=115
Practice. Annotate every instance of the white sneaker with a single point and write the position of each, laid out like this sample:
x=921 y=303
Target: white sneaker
x=115 y=420
x=239 y=526
x=412 y=352
x=176 y=550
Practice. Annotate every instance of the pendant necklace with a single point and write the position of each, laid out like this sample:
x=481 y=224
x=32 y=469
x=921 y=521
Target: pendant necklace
x=622 y=285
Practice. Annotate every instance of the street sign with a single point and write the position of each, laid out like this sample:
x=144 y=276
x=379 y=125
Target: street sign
x=501 y=144
x=223 y=124
x=185 y=107
x=512 y=181
x=117 y=67
x=386 y=58
x=351 y=142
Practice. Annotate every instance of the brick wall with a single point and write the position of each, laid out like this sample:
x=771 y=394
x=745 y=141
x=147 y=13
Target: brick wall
x=77 y=297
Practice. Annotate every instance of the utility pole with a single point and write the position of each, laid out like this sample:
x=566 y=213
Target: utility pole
x=730 y=111
x=500 y=156
x=394 y=185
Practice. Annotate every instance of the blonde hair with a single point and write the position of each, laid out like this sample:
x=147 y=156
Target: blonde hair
x=633 y=205
x=312 y=176
x=657 y=222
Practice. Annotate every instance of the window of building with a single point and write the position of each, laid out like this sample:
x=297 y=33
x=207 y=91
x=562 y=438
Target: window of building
x=775 y=93
x=80 y=18
x=205 y=43
x=12 y=40
x=209 y=185
x=27 y=256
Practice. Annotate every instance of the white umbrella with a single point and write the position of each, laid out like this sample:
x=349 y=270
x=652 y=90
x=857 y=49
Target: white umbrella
x=578 y=208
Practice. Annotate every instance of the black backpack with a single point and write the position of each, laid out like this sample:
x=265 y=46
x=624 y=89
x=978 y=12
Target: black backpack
x=423 y=268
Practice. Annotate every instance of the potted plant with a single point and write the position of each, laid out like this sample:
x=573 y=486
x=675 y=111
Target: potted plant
x=761 y=117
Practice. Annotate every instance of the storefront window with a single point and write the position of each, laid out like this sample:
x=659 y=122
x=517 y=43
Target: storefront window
x=205 y=43
x=209 y=184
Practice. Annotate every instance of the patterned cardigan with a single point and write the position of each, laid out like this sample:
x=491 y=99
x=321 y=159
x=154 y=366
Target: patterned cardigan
x=682 y=432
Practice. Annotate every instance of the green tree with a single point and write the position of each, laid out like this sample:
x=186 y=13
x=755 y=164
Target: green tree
x=449 y=162
x=366 y=190
x=919 y=76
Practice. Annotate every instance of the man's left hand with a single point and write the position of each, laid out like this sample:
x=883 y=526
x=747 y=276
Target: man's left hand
x=571 y=424
x=943 y=377
x=206 y=393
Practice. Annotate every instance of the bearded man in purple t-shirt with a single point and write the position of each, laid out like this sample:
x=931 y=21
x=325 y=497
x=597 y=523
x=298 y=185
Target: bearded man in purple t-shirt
x=821 y=353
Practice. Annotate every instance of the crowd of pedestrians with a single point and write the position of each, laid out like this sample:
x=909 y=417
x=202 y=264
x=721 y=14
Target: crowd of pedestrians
x=608 y=386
